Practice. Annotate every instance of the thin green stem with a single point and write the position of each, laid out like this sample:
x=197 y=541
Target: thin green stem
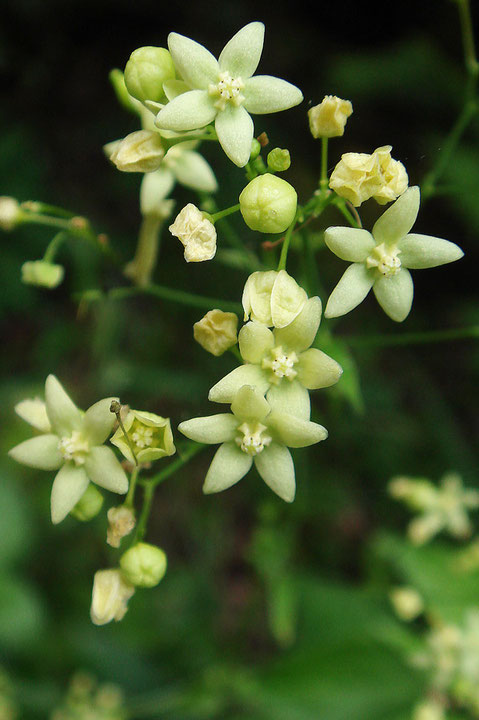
x=35 y=206
x=170 y=295
x=186 y=455
x=466 y=333
x=132 y=487
x=224 y=213
x=353 y=220
x=53 y=246
x=141 y=268
x=286 y=242
x=148 y=494
x=323 y=183
x=470 y=57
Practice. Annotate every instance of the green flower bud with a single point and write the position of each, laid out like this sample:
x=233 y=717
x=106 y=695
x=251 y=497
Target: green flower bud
x=255 y=149
x=89 y=504
x=10 y=213
x=146 y=71
x=42 y=274
x=279 y=160
x=268 y=204
x=143 y=565
x=140 y=151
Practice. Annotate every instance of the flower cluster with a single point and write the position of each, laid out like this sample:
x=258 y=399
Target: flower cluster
x=86 y=699
x=440 y=508
x=268 y=394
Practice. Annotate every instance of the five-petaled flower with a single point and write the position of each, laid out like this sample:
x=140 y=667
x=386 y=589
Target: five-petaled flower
x=224 y=90
x=281 y=362
x=73 y=445
x=253 y=432
x=381 y=259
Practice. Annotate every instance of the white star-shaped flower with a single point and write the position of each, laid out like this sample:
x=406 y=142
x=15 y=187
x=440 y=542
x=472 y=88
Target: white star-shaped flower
x=223 y=91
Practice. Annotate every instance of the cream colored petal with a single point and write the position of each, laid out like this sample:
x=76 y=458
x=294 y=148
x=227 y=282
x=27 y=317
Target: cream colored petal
x=249 y=403
x=192 y=170
x=34 y=412
x=229 y=465
x=397 y=221
x=300 y=334
x=189 y=111
x=104 y=469
x=210 y=429
x=317 y=370
x=98 y=421
x=395 y=294
x=235 y=129
x=424 y=251
x=350 y=291
x=276 y=468
x=351 y=244
x=255 y=339
x=62 y=412
x=287 y=300
x=257 y=296
x=291 y=397
x=241 y=55
x=193 y=62
x=68 y=487
x=40 y=452
x=266 y=94
x=225 y=390
x=295 y=432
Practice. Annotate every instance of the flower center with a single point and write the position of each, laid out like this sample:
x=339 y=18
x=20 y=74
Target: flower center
x=385 y=259
x=142 y=436
x=280 y=365
x=252 y=439
x=227 y=90
x=74 y=448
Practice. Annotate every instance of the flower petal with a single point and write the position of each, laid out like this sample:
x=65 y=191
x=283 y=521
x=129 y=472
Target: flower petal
x=300 y=333
x=395 y=294
x=104 y=469
x=235 y=128
x=317 y=370
x=397 y=221
x=69 y=485
x=255 y=339
x=276 y=468
x=266 y=94
x=287 y=300
x=98 y=422
x=351 y=290
x=249 y=403
x=290 y=397
x=229 y=465
x=241 y=55
x=426 y=251
x=196 y=65
x=62 y=412
x=351 y=244
x=225 y=390
x=295 y=432
x=39 y=452
x=34 y=412
x=192 y=170
x=192 y=110
x=210 y=429
x=154 y=188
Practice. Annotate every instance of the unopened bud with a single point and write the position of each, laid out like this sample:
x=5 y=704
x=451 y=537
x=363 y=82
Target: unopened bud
x=328 y=119
x=42 y=274
x=10 y=213
x=143 y=565
x=121 y=521
x=407 y=603
x=268 y=204
x=110 y=596
x=255 y=149
x=140 y=151
x=216 y=332
x=146 y=71
x=89 y=504
x=279 y=160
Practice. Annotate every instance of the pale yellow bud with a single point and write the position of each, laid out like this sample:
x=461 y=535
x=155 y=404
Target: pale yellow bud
x=359 y=176
x=140 y=151
x=196 y=232
x=406 y=602
x=10 y=213
x=272 y=298
x=328 y=119
x=110 y=596
x=216 y=332
x=121 y=521
x=42 y=274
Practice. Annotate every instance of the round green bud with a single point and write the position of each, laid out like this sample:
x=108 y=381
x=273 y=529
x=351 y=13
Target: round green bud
x=143 y=565
x=146 y=71
x=255 y=149
x=268 y=204
x=89 y=505
x=279 y=160
x=42 y=274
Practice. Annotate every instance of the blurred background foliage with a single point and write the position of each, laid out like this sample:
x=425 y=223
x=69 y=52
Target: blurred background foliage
x=267 y=611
